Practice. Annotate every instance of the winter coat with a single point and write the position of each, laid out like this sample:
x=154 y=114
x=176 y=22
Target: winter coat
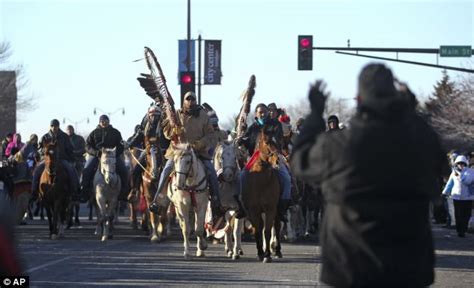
x=197 y=129
x=108 y=137
x=62 y=142
x=13 y=147
x=458 y=186
x=271 y=127
x=375 y=230
x=79 y=146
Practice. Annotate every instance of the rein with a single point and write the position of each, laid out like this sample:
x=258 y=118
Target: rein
x=138 y=162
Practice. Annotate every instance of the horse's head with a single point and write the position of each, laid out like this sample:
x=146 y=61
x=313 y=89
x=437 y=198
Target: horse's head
x=268 y=151
x=184 y=161
x=107 y=163
x=225 y=159
x=151 y=149
x=50 y=157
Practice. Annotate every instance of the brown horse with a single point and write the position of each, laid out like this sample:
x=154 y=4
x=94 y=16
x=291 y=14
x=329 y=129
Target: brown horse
x=55 y=191
x=150 y=185
x=260 y=195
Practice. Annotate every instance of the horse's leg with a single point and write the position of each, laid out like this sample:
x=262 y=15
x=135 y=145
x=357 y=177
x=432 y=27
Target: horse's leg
x=200 y=216
x=182 y=211
x=153 y=218
x=258 y=226
x=228 y=236
x=269 y=221
x=55 y=213
x=277 y=245
x=163 y=224
x=76 y=220
x=237 y=231
x=49 y=214
x=111 y=215
x=133 y=216
x=105 y=212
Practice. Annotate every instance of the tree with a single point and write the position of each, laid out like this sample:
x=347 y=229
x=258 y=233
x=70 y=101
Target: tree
x=25 y=100
x=450 y=111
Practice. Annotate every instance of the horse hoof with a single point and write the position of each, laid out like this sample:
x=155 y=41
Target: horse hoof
x=241 y=252
x=104 y=238
x=235 y=257
x=278 y=255
x=203 y=245
x=186 y=256
x=154 y=239
x=267 y=259
x=54 y=237
x=306 y=235
x=260 y=257
x=229 y=254
x=200 y=253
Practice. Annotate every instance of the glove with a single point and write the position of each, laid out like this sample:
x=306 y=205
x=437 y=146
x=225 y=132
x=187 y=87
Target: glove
x=317 y=97
x=199 y=145
x=149 y=85
x=178 y=131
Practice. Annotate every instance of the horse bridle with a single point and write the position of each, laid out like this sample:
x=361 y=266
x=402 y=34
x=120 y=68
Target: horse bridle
x=186 y=174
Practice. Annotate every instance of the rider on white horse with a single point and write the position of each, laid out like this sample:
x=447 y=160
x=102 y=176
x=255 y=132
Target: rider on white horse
x=197 y=131
x=104 y=136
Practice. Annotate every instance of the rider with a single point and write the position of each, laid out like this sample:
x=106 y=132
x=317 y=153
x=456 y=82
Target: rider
x=197 y=131
x=79 y=148
x=333 y=123
x=150 y=127
x=104 y=136
x=65 y=154
x=272 y=127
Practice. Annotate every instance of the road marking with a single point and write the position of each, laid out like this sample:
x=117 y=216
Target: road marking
x=48 y=264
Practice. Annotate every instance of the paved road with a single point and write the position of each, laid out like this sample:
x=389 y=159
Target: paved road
x=81 y=260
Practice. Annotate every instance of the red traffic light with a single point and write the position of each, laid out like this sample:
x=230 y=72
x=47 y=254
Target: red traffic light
x=305 y=43
x=186 y=79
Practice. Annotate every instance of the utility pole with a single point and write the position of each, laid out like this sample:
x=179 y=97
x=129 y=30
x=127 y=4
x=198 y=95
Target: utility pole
x=199 y=70
x=188 y=46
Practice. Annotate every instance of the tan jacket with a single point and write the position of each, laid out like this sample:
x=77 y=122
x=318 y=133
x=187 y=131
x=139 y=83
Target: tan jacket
x=197 y=132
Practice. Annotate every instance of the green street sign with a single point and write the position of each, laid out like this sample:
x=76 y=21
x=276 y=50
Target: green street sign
x=455 y=51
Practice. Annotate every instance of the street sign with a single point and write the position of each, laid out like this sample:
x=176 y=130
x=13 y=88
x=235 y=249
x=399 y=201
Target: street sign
x=455 y=51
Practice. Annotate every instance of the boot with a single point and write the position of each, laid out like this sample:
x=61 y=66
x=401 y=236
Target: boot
x=282 y=207
x=240 y=213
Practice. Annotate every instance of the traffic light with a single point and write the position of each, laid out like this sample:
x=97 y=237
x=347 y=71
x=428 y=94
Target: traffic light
x=305 y=52
x=187 y=82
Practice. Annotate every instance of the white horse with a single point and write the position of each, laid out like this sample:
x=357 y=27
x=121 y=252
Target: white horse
x=188 y=190
x=225 y=163
x=107 y=188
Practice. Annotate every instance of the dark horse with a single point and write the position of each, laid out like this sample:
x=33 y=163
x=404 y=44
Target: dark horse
x=149 y=186
x=55 y=191
x=260 y=194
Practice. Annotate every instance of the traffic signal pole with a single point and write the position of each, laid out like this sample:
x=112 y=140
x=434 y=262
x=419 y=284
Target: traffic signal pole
x=396 y=50
x=199 y=70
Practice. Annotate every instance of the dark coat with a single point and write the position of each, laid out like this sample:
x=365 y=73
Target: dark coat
x=272 y=128
x=104 y=138
x=62 y=142
x=377 y=178
x=79 y=146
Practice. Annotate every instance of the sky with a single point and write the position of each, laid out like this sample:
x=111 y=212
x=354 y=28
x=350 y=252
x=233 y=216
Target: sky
x=78 y=55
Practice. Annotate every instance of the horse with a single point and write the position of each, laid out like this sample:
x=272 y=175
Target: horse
x=55 y=191
x=188 y=190
x=260 y=195
x=150 y=185
x=228 y=171
x=131 y=156
x=107 y=188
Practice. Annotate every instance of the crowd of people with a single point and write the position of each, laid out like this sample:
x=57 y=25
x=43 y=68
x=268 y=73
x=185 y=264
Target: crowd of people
x=376 y=215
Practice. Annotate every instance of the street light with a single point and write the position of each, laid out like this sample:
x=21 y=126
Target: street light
x=109 y=113
x=75 y=122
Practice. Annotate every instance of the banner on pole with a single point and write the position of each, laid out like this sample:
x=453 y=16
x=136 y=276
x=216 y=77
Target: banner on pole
x=182 y=55
x=212 y=62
